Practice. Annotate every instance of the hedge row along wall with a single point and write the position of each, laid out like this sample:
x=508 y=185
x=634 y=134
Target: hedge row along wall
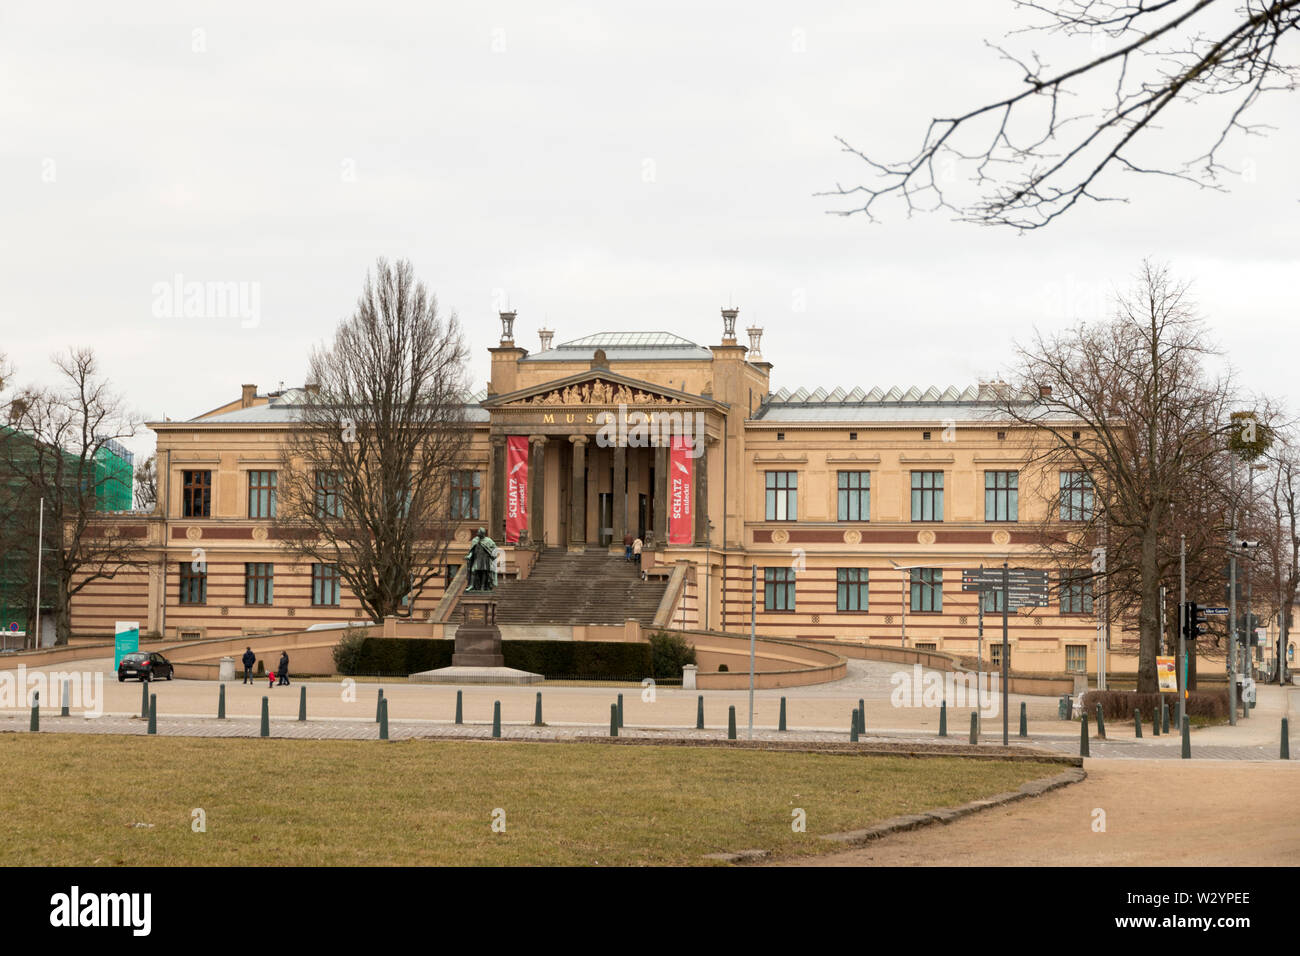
x=595 y=660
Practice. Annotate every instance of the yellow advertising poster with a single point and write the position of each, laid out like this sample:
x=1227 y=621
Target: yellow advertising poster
x=1167 y=675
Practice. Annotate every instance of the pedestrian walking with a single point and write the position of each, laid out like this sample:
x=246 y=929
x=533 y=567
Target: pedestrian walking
x=249 y=660
x=627 y=546
x=283 y=668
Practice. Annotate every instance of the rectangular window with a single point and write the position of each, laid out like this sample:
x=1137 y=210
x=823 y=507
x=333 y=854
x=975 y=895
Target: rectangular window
x=465 y=495
x=851 y=589
x=329 y=504
x=194 y=583
x=994 y=600
x=1076 y=592
x=324 y=585
x=927 y=496
x=995 y=655
x=927 y=589
x=778 y=589
x=261 y=494
x=782 y=495
x=258 y=582
x=1076 y=496
x=854 y=496
x=1001 y=495
x=1076 y=658
x=196 y=498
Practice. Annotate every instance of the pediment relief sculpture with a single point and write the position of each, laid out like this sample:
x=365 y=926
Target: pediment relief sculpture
x=598 y=392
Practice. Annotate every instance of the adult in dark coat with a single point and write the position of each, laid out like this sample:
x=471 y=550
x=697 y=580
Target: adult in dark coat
x=282 y=669
x=249 y=660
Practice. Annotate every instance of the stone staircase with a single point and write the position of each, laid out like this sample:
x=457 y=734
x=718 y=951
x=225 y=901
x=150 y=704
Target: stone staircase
x=580 y=587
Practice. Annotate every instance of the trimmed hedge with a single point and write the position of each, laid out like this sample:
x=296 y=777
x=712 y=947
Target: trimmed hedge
x=595 y=660
x=1120 y=704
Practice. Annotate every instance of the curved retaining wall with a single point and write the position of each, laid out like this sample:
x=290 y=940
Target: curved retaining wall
x=777 y=662
x=940 y=661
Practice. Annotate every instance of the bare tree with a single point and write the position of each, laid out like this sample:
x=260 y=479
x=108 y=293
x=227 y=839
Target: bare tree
x=1033 y=155
x=146 y=484
x=365 y=478
x=1127 y=413
x=54 y=449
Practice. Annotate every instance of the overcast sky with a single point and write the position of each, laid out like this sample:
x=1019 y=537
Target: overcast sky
x=594 y=166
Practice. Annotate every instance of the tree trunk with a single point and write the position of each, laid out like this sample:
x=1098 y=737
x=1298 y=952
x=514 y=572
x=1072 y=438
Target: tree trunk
x=62 y=614
x=1149 y=615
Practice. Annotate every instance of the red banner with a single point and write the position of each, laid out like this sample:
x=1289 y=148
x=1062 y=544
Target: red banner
x=516 y=487
x=681 y=509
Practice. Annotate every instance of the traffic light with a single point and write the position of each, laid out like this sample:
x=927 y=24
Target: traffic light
x=1195 y=623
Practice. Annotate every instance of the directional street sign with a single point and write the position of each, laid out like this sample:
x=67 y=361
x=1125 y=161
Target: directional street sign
x=991 y=578
x=1214 y=610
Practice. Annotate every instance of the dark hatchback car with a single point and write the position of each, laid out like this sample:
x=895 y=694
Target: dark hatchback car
x=146 y=667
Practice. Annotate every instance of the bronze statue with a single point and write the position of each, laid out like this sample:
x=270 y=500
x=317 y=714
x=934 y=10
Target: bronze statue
x=481 y=562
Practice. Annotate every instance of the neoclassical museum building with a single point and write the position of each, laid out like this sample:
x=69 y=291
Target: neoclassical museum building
x=845 y=513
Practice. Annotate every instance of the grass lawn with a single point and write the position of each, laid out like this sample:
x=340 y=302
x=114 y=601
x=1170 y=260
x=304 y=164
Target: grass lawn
x=73 y=800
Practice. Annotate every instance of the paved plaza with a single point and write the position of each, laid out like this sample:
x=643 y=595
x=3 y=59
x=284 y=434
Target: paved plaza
x=816 y=715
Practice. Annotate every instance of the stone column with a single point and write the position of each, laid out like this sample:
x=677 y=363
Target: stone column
x=619 y=522
x=497 y=523
x=537 y=491
x=702 y=494
x=578 y=500
x=661 y=496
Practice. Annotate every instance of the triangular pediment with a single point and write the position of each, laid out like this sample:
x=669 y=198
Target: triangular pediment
x=597 y=387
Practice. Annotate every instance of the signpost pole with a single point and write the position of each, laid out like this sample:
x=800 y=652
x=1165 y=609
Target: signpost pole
x=753 y=617
x=1006 y=647
x=1182 y=625
x=40 y=538
x=979 y=647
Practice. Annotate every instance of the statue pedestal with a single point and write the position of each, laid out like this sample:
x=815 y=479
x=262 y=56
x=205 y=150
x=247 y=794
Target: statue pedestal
x=477 y=657
x=478 y=639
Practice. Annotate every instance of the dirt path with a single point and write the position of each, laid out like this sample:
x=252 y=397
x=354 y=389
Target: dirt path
x=1231 y=814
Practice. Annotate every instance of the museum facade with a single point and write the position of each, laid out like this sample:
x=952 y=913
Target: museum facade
x=831 y=513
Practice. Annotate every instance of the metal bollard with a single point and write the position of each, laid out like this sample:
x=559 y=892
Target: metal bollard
x=1024 y=721
x=620 y=711
x=1155 y=722
x=613 y=720
x=1137 y=723
x=460 y=714
x=67 y=699
x=1286 y=742
x=1187 y=738
x=974 y=727
x=1164 y=718
x=781 y=723
x=221 y=703
x=496 y=719
x=537 y=716
x=383 y=720
x=1101 y=724
x=379 y=703
x=731 y=722
x=943 y=719
x=36 y=713
x=1083 y=736
x=853 y=727
x=266 y=717
x=153 y=713
x=699 y=714
x=144 y=700
x=302 y=703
